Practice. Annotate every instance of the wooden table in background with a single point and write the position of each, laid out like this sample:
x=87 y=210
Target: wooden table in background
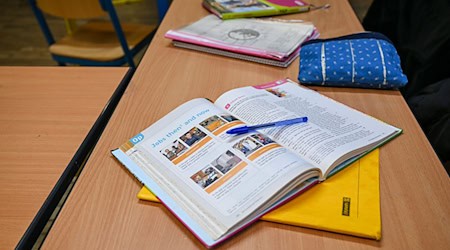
x=45 y=114
x=103 y=212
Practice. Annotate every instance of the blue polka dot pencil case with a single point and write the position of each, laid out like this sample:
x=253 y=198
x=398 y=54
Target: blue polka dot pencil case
x=363 y=60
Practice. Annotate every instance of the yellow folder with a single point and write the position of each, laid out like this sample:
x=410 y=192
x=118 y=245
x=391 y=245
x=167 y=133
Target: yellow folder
x=347 y=203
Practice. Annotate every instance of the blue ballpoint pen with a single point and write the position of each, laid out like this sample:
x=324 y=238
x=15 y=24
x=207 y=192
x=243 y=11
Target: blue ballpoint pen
x=246 y=129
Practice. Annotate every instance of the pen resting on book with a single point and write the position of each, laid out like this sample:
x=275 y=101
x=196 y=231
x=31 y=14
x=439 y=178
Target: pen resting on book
x=246 y=129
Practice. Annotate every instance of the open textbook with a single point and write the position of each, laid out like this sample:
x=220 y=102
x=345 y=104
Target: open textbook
x=348 y=203
x=217 y=183
x=273 y=42
x=228 y=9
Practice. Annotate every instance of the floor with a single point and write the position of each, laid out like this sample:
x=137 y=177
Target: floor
x=22 y=42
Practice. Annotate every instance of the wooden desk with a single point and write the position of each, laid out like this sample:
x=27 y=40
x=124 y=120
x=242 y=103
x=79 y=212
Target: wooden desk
x=45 y=113
x=103 y=211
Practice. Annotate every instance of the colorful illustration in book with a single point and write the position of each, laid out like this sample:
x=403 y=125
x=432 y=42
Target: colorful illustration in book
x=206 y=177
x=192 y=136
x=212 y=123
x=262 y=139
x=229 y=118
x=226 y=161
x=173 y=150
x=247 y=146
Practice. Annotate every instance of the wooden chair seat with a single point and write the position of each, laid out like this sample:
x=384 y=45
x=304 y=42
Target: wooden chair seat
x=97 y=41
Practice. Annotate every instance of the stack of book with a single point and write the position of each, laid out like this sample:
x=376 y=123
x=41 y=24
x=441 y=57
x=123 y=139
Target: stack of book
x=272 y=42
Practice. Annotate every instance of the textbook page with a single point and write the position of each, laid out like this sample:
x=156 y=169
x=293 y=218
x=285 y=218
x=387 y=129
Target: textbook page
x=333 y=134
x=216 y=178
x=259 y=37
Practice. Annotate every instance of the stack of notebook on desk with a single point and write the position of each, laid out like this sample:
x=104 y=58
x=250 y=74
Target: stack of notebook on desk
x=273 y=42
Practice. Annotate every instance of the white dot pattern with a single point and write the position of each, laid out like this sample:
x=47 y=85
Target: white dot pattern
x=362 y=62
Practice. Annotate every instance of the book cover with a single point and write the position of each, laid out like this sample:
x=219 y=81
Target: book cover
x=347 y=203
x=230 y=9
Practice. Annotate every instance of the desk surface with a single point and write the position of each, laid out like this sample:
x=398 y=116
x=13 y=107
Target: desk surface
x=103 y=211
x=45 y=113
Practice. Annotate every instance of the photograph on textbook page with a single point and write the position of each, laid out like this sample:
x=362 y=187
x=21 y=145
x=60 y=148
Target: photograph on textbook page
x=192 y=136
x=212 y=123
x=173 y=150
x=225 y=162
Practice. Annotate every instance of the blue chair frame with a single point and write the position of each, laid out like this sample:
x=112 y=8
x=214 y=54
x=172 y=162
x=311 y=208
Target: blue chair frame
x=163 y=6
x=109 y=8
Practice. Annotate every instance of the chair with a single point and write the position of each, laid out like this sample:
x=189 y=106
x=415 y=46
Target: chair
x=96 y=42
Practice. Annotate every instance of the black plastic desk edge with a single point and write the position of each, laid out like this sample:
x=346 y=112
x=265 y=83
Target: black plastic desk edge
x=43 y=215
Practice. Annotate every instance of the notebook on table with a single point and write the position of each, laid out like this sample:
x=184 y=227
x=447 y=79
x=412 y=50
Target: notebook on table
x=272 y=42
